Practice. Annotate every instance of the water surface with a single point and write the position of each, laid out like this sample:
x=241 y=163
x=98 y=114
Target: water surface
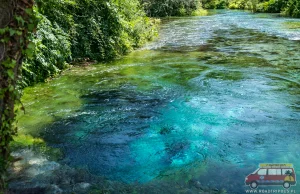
x=209 y=100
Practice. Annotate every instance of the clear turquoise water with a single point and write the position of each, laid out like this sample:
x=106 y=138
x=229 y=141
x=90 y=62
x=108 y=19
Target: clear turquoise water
x=209 y=100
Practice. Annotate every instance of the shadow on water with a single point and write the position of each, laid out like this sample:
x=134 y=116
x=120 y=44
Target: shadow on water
x=99 y=136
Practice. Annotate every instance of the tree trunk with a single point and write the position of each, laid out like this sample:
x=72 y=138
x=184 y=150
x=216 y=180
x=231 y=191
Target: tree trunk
x=13 y=36
x=6 y=99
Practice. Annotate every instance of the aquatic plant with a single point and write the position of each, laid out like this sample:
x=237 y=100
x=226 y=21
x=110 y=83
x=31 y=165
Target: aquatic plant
x=292 y=25
x=167 y=129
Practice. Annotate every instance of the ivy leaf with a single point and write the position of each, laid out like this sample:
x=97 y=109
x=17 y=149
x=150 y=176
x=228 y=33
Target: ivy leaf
x=12 y=32
x=11 y=74
x=31 y=45
x=4 y=40
x=28 y=11
x=9 y=63
x=20 y=19
x=29 y=53
x=2 y=92
x=11 y=88
x=30 y=27
x=30 y=50
x=19 y=33
x=3 y=30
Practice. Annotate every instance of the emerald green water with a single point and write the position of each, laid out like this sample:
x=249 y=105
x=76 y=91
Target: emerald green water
x=209 y=100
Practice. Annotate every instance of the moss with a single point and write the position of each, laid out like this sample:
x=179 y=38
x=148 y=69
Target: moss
x=185 y=175
x=293 y=88
x=182 y=73
x=22 y=141
x=240 y=37
x=266 y=15
x=292 y=24
x=210 y=55
x=239 y=60
x=225 y=75
x=180 y=78
x=206 y=47
x=37 y=144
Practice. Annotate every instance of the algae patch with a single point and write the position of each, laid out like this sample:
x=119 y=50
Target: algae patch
x=226 y=75
x=37 y=145
x=292 y=24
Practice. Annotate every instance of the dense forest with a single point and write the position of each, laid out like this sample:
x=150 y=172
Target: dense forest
x=76 y=30
x=84 y=30
x=285 y=7
x=73 y=30
x=53 y=34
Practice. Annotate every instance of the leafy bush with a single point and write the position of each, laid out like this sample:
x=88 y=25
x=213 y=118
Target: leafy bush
x=215 y=4
x=272 y=6
x=52 y=51
x=292 y=8
x=286 y=7
x=85 y=29
x=162 y=8
x=237 y=4
x=106 y=30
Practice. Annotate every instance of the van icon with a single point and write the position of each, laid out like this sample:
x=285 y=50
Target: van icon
x=272 y=174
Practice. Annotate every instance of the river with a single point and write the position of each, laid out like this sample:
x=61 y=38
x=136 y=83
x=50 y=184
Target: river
x=206 y=102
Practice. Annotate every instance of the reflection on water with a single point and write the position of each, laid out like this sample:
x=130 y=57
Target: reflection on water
x=208 y=101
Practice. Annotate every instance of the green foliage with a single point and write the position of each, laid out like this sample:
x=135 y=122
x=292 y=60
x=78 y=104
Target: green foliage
x=271 y=6
x=162 y=8
x=84 y=29
x=107 y=29
x=103 y=30
x=286 y=7
x=292 y=8
x=14 y=42
x=137 y=28
x=215 y=4
x=200 y=12
x=50 y=50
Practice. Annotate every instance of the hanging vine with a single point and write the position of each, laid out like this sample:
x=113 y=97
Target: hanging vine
x=17 y=22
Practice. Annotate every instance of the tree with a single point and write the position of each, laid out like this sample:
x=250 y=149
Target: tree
x=16 y=23
x=254 y=5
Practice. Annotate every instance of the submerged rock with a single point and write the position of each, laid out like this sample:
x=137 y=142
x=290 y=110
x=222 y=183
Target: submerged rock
x=81 y=187
x=166 y=130
x=53 y=189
